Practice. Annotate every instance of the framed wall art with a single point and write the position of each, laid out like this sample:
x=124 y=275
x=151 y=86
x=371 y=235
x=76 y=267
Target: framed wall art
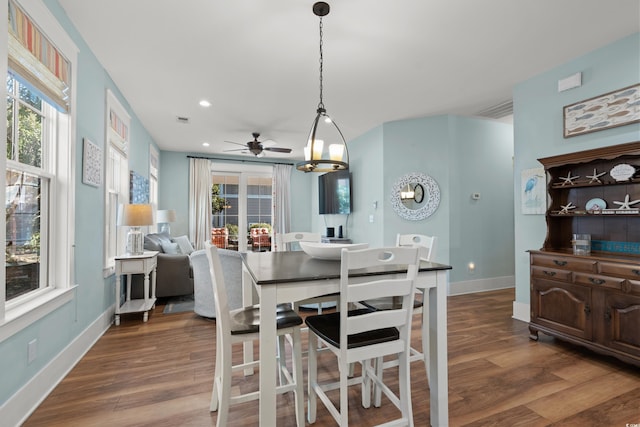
x=533 y=191
x=91 y=163
x=138 y=189
x=617 y=108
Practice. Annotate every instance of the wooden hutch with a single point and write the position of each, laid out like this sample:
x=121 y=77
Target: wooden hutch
x=591 y=300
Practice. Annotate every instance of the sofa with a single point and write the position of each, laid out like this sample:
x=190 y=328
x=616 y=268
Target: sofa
x=174 y=274
x=203 y=289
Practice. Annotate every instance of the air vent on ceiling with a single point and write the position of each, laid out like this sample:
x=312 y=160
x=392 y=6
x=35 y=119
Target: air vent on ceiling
x=498 y=111
x=183 y=120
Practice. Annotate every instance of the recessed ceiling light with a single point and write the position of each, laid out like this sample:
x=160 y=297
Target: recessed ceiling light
x=205 y=144
x=205 y=103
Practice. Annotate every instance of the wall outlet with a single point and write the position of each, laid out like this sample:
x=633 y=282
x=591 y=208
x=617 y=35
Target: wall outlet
x=370 y=218
x=32 y=350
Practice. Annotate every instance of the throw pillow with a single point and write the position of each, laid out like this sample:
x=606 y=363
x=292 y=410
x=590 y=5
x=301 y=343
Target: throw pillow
x=171 y=248
x=184 y=244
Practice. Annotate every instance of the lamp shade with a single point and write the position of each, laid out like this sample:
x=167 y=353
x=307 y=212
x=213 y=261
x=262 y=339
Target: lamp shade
x=136 y=215
x=164 y=216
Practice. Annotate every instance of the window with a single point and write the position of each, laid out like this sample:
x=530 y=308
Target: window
x=116 y=179
x=39 y=215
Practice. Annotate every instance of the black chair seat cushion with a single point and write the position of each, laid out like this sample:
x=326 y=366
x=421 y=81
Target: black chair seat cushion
x=327 y=327
x=388 y=303
x=247 y=320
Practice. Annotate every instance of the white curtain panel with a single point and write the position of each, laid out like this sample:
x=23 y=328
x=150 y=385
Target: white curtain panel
x=199 y=202
x=281 y=188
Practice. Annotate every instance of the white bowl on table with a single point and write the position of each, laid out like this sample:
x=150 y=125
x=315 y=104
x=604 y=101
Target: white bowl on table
x=330 y=251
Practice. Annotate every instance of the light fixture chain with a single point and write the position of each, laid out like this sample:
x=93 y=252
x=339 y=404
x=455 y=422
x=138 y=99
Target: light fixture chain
x=321 y=104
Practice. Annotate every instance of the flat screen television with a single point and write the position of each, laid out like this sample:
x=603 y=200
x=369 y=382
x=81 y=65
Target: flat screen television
x=334 y=193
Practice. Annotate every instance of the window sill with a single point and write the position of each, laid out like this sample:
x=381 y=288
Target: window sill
x=19 y=317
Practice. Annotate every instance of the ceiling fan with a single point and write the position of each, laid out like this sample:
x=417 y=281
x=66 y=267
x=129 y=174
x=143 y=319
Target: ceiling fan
x=257 y=147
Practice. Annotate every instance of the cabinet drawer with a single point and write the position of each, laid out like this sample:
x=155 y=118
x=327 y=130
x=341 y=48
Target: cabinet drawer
x=550 y=273
x=597 y=280
x=132 y=266
x=633 y=287
x=565 y=263
x=616 y=269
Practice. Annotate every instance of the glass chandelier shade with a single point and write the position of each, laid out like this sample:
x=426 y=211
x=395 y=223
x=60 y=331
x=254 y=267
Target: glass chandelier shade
x=326 y=149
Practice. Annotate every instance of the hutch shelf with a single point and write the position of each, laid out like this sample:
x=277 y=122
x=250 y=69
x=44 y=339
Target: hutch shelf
x=594 y=299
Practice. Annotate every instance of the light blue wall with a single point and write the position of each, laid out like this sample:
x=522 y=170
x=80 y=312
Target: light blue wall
x=482 y=230
x=463 y=155
x=94 y=294
x=538 y=129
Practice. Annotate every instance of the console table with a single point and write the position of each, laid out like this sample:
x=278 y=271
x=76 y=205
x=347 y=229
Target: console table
x=136 y=264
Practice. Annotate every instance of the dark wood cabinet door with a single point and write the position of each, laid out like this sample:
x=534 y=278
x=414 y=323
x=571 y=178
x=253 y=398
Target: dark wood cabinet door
x=622 y=323
x=563 y=307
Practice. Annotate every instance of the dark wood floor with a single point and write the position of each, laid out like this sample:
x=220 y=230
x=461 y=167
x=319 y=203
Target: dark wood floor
x=159 y=374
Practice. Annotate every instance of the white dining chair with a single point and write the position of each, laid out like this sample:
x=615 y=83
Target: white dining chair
x=426 y=246
x=364 y=335
x=286 y=241
x=243 y=325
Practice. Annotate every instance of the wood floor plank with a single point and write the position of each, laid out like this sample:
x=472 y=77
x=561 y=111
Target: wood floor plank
x=160 y=373
x=584 y=396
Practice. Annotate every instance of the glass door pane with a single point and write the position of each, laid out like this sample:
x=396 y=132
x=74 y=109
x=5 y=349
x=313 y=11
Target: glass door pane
x=259 y=208
x=225 y=210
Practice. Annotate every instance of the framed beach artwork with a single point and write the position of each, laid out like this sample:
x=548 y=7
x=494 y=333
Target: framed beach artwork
x=617 y=108
x=533 y=191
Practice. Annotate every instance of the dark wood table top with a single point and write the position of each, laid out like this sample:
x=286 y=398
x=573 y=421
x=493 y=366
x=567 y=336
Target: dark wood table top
x=267 y=268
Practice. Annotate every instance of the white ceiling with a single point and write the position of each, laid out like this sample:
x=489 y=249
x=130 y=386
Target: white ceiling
x=257 y=61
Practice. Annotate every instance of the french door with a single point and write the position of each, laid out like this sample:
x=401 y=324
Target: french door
x=240 y=201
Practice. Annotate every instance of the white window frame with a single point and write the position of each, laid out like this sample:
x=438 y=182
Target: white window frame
x=116 y=187
x=21 y=312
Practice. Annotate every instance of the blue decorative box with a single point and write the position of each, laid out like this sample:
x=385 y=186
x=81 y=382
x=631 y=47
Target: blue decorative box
x=620 y=247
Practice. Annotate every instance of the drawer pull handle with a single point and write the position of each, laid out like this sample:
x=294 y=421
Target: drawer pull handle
x=549 y=273
x=636 y=272
x=587 y=309
x=560 y=263
x=596 y=281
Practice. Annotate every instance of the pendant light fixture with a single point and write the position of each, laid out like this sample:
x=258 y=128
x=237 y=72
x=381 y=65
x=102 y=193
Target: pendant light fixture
x=326 y=150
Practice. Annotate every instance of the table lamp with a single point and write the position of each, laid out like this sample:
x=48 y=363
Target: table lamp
x=164 y=218
x=136 y=216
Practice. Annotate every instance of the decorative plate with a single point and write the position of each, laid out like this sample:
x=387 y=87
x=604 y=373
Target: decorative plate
x=622 y=172
x=596 y=204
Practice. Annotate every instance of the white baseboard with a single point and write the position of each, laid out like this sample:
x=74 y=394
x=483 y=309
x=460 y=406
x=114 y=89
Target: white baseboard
x=481 y=285
x=521 y=311
x=17 y=409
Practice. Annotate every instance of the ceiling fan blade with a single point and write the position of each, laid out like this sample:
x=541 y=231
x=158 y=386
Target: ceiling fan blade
x=238 y=149
x=278 y=149
x=237 y=143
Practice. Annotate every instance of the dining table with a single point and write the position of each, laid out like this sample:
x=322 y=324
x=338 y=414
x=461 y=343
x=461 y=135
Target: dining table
x=284 y=277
